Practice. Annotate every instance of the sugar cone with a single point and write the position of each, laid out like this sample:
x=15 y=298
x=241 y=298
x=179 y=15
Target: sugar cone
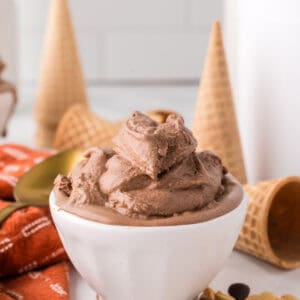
x=215 y=125
x=80 y=128
x=44 y=135
x=61 y=81
x=272 y=227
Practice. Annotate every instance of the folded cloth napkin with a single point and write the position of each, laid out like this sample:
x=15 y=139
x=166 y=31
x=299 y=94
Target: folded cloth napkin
x=15 y=160
x=50 y=283
x=28 y=238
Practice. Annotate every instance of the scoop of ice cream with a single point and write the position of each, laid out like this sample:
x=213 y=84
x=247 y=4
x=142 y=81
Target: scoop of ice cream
x=153 y=172
x=153 y=147
x=188 y=185
x=81 y=186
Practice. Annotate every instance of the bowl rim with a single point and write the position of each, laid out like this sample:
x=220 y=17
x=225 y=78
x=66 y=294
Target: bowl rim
x=86 y=222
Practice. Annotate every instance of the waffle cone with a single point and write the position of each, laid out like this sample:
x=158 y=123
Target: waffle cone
x=272 y=226
x=61 y=81
x=215 y=125
x=80 y=128
x=44 y=135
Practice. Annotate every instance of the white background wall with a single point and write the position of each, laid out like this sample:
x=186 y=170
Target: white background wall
x=125 y=40
x=268 y=87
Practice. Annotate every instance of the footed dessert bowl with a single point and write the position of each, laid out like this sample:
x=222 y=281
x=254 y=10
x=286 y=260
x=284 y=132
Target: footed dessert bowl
x=151 y=218
x=150 y=263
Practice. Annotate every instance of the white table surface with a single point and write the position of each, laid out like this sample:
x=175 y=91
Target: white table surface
x=258 y=275
x=239 y=268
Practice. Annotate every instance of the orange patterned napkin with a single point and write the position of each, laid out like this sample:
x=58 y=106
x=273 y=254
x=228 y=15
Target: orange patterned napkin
x=50 y=283
x=15 y=160
x=28 y=238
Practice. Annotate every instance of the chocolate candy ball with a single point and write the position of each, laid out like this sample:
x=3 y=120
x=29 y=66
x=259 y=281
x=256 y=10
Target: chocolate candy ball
x=239 y=291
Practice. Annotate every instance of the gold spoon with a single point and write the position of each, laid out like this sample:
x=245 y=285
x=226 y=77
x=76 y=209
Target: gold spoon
x=34 y=187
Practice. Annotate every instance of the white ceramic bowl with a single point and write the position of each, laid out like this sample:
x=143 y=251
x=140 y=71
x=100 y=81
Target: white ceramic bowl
x=148 y=263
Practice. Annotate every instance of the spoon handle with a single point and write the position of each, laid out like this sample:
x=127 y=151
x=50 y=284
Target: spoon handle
x=8 y=210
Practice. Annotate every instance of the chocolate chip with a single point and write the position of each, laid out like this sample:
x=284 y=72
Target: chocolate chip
x=239 y=291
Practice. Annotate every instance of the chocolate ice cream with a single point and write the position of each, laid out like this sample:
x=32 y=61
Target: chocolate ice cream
x=152 y=176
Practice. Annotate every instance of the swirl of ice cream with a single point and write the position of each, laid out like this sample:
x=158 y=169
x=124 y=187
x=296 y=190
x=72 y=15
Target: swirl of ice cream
x=152 y=172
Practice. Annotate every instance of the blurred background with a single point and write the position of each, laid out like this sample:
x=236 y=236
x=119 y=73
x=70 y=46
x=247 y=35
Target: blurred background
x=124 y=45
x=140 y=54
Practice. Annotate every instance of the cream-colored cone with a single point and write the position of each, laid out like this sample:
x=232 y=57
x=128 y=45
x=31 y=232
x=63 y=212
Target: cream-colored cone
x=61 y=81
x=215 y=125
x=271 y=230
x=45 y=135
x=80 y=128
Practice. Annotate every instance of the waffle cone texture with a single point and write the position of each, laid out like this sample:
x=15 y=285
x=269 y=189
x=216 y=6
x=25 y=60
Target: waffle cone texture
x=215 y=126
x=44 y=135
x=271 y=230
x=61 y=82
x=80 y=128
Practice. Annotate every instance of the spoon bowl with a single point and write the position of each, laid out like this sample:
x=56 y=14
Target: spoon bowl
x=34 y=186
